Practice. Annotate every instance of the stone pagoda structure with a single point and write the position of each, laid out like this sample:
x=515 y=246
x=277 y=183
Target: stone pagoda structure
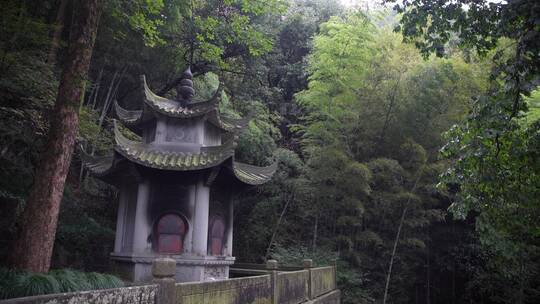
x=176 y=184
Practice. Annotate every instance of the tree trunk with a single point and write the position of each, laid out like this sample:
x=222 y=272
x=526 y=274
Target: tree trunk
x=396 y=240
x=33 y=249
x=389 y=274
x=57 y=34
x=96 y=93
x=315 y=231
x=274 y=233
x=428 y=272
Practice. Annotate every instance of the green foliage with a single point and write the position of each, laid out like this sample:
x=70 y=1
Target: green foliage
x=374 y=114
x=91 y=133
x=37 y=283
x=103 y=281
x=357 y=114
x=22 y=284
x=70 y=280
x=533 y=105
x=494 y=152
x=141 y=16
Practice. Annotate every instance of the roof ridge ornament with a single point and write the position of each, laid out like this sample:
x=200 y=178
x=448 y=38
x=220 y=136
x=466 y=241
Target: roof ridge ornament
x=184 y=90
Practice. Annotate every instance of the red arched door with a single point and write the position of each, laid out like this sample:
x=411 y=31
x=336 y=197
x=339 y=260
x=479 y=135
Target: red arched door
x=217 y=235
x=170 y=230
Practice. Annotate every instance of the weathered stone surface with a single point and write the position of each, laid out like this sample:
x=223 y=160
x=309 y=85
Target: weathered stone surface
x=249 y=290
x=163 y=267
x=333 y=297
x=163 y=271
x=271 y=264
x=126 y=295
x=307 y=263
x=293 y=286
x=166 y=293
x=289 y=287
x=322 y=280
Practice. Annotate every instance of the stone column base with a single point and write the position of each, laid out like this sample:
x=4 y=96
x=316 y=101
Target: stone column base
x=138 y=267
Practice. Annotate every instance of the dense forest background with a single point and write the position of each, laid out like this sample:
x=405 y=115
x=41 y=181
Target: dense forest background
x=389 y=154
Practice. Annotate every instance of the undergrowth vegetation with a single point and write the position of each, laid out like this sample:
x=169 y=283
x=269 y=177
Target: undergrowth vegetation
x=15 y=283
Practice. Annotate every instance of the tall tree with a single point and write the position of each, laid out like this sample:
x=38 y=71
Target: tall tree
x=33 y=249
x=493 y=154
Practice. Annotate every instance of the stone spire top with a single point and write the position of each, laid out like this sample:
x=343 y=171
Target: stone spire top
x=184 y=90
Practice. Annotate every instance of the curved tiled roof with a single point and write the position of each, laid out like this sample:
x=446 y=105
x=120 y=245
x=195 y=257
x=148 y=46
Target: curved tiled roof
x=172 y=108
x=128 y=152
x=253 y=175
x=97 y=165
x=158 y=158
x=228 y=124
x=128 y=117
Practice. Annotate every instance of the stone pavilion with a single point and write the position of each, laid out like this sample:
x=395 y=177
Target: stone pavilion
x=176 y=183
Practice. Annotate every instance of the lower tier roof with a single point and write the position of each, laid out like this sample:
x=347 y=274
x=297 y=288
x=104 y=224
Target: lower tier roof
x=154 y=157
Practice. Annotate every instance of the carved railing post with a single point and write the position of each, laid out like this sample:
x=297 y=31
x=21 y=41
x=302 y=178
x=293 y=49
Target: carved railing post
x=308 y=264
x=334 y=264
x=163 y=271
x=272 y=265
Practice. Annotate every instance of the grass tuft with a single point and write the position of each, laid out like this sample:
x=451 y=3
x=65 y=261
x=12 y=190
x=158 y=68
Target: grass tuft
x=15 y=283
x=70 y=280
x=113 y=281
x=97 y=280
x=36 y=284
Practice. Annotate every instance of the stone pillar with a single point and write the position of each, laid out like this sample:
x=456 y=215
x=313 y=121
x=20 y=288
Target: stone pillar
x=121 y=219
x=188 y=241
x=334 y=264
x=200 y=219
x=142 y=227
x=230 y=230
x=308 y=264
x=161 y=131
x=163 y=271
x=272 y=266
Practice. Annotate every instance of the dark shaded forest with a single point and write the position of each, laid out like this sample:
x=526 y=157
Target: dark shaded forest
x=407 y=132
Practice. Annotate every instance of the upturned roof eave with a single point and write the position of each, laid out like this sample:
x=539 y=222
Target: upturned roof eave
x=253 y=175
x=175 y=109
x=154 y=157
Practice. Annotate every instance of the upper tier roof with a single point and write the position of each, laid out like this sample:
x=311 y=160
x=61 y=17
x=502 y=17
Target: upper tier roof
x=153 y=104
x=168 y=156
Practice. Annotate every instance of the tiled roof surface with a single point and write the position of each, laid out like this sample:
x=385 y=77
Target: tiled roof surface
x=253 y=175
x=154 y=157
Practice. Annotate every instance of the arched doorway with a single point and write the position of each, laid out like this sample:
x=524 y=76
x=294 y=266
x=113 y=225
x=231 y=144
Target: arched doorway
x=216 y=235
x=170 y=231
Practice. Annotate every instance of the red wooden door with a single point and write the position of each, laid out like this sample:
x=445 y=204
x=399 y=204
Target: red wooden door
x=171 y=230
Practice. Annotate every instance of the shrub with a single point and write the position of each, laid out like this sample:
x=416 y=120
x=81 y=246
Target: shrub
x=70 y=280
x=36 y=284
x=15 y=283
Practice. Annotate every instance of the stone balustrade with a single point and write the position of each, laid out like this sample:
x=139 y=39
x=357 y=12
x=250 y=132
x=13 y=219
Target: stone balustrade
x=270 y=285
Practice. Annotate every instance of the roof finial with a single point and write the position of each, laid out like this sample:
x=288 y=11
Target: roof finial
x=184 y=90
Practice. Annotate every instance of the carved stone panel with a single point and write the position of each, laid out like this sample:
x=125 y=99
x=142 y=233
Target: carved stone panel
x=213 y=273
x=182 y=132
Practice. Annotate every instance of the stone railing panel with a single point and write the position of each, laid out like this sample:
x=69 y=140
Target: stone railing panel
x=248 y=290
x=293 y=287
x=323 y=280
x=125 y=295
x=333 y=297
